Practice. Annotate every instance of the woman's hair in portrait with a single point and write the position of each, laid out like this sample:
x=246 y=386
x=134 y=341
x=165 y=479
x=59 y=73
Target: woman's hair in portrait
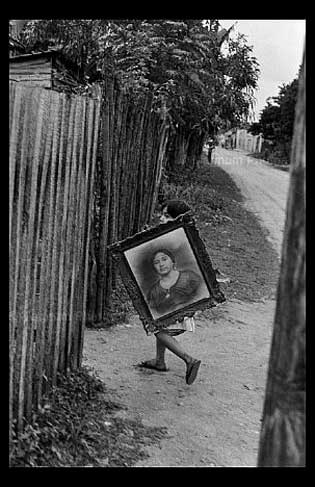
x=175 y=208
x=163 y=251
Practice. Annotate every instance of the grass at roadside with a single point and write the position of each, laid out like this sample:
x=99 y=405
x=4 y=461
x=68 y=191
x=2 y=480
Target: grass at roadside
x=77 y=426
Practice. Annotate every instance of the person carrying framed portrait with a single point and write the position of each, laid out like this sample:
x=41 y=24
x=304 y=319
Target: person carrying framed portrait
x=169 y=276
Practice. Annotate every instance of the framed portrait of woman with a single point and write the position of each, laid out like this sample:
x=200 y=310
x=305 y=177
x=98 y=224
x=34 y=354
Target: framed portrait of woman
x=167 y=272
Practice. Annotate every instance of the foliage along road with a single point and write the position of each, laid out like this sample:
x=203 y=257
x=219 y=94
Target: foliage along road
x=215 y=421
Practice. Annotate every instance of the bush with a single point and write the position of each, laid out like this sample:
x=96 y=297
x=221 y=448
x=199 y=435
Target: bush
x=206 y=202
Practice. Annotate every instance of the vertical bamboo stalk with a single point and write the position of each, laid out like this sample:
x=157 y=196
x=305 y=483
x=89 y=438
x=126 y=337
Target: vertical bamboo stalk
x=107 y=291
x=140 y=169
x=15 y=107
x=133 y=164
x=105 y=175
x=137 y=167
x=115 y=188
x=27 y=328
x=66 y=226
x=16 y=95
x=127 y=173
x=36 y=194
x=18 y=240
x=93 y=127
x=12 y=102
x=157 y=137
x=123 y=158
x=72 y=230
x=121 y=152
x=44 y=233
x=62 y=184
x=76 y=285
x=63 y=303
x=65 y=142
x=149 y=162
x=54 y=242
x=159 y=166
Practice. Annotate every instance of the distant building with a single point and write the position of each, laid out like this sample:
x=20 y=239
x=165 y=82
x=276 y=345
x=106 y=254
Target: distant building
x=248 y=142
x=241 y=139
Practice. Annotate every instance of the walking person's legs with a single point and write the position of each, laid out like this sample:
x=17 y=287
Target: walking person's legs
x=165 y=341
x=192 y=364
x=168 y=341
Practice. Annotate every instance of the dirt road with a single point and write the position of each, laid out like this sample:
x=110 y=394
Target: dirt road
x=264 y=188
x=215 y=421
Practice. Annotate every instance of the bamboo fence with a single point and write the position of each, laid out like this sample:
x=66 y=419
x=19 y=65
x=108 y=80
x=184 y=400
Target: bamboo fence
x=83 y=174
x=53 y=142
x=131 y=157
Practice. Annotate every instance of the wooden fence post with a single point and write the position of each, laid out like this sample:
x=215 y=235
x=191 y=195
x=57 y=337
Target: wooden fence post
x=282 y=439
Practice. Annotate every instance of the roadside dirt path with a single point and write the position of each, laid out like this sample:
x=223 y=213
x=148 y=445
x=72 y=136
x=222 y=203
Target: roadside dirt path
x=264 y=187
x=215 y=421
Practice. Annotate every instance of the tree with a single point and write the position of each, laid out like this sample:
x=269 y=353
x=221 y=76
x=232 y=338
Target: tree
x=277 y=119
x=286 y=100
x=195 y=87
x=270 y=121
x=76 y=39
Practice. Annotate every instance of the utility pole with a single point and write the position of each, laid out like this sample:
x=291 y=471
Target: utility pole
x=282 y=438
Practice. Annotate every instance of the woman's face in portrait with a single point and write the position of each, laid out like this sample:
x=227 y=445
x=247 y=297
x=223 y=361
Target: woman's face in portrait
x=162 y=263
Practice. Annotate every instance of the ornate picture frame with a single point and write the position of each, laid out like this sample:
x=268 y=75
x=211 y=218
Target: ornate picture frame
x=141 y=263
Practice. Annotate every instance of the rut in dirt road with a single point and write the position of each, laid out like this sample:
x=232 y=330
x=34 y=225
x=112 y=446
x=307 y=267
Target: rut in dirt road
x=264 y=188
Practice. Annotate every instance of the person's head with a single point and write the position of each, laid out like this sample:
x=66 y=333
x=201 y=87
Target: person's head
x=163 y=261
x=172 y=209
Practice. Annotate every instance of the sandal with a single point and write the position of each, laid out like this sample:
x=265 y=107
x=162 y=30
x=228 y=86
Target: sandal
x=192 y=371
x=147 y=364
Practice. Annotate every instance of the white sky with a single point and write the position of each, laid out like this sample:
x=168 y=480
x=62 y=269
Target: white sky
x=278 y=47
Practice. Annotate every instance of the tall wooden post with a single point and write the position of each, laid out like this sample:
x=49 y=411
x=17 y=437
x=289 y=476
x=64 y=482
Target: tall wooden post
x=282 y=439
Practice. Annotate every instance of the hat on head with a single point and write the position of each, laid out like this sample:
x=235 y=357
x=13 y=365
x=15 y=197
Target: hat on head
x=175 y=207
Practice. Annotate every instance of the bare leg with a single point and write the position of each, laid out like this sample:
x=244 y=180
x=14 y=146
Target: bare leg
x=159 y=361
x=160 y=353
x=192 y=365
x=163 y=341
x=168 y=341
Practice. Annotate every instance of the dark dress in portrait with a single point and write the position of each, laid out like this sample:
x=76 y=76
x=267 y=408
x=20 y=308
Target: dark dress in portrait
x=166 y=300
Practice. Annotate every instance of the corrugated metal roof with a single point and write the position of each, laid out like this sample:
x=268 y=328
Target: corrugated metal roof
x=35 y=54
